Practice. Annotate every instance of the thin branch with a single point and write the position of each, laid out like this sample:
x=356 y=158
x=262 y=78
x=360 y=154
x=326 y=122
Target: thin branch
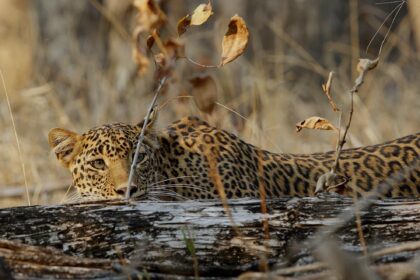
x=141 y=136
x=343 y=139
x=326 y=88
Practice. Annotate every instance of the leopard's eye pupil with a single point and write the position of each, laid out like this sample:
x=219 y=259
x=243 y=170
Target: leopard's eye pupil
x=140 y=157
x=98 y=163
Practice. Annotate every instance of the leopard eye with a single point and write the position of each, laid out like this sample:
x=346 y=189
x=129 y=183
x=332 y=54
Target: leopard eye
x=98 y=164
x=140 y=158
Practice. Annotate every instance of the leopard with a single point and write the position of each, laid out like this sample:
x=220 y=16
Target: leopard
x=190 y=159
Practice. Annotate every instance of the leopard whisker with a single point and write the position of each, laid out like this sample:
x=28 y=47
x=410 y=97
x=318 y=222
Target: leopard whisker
x=169 y=179
x=72 y=198
x=152 y=198
x=170 y=194
x=184 y=186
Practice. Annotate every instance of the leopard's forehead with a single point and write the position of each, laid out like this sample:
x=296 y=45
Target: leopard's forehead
x=113 y=132
x=111 y=138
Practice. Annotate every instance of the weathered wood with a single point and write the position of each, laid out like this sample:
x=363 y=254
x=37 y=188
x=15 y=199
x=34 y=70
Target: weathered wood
x=115 y=239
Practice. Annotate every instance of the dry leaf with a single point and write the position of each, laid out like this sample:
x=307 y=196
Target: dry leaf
x=201 y=14
x=150 y=16
x=315 y=123
x=183 y=24
x=235 y=40
x=204 y=92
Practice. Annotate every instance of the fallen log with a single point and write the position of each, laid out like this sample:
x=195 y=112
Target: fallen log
x=176 y=239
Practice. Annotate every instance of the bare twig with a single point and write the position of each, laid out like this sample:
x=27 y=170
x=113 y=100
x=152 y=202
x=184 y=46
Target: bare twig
x=364 y=66
x=343 y=139
x=326 y=88
x=141 y=136
x=263 y=196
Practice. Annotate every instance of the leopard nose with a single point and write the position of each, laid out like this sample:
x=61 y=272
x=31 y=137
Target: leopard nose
x=123 y=190
x=133 y=190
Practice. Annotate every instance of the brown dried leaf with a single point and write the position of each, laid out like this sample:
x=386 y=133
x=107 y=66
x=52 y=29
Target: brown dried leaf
x=201 y=14
x=150 y=16
x=235 y=40
x=183 y=24
x=315 y=123
x=204 y=92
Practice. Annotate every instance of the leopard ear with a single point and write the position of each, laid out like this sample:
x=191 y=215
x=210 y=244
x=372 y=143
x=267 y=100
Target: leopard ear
x=65 y=144
x=151 y=121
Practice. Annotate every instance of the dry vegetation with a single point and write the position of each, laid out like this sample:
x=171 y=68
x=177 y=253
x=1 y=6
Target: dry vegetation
x=71 y=65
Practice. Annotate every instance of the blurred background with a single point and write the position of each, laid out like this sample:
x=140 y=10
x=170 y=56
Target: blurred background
x=70 y=64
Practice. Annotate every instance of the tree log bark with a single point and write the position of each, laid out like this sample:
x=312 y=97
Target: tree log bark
x=162 y=239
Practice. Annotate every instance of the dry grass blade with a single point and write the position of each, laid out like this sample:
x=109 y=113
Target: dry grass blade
x=394 y=12
x=263 y=197
x=405 y=247
x=342 y=264
x=359 y=224
x=22 y=164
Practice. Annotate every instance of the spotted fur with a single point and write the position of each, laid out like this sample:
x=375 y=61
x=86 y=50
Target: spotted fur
x=176 y=161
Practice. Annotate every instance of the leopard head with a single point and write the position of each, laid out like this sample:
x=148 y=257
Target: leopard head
x=100 y=159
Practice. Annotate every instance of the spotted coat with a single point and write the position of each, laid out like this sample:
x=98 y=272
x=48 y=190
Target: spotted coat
x=191 y=159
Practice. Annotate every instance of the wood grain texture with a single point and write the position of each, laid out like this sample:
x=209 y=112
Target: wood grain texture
x=114 y=239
